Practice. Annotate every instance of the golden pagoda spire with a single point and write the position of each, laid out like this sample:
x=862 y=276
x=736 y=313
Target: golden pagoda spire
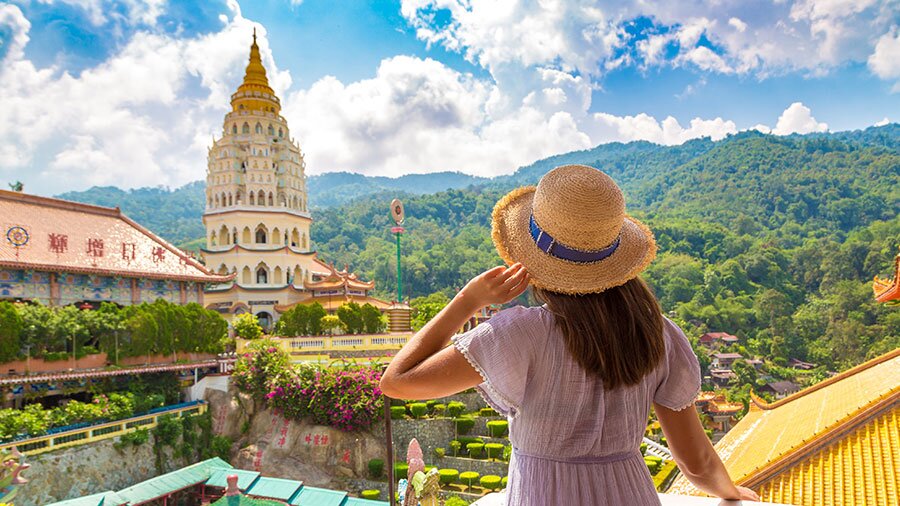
x=255 y=93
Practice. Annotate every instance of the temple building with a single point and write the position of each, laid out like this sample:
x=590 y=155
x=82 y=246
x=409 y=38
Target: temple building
x=833 y=443
x=257 y=216
x=61 y=253
x=888 y=290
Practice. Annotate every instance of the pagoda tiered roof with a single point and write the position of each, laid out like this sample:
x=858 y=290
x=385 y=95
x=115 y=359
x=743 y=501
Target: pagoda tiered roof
x=837 y=442
x=887 y=290
x=335 y=279
x=53 y=235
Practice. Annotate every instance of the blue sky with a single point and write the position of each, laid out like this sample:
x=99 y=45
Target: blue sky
x=131 y=93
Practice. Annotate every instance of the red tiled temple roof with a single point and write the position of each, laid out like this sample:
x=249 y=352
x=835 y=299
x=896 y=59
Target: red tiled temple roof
x=54 y=235
x=887 y=290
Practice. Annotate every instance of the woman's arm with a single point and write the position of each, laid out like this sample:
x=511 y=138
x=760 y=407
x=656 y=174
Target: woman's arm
x=695 y=455
x=426 y=368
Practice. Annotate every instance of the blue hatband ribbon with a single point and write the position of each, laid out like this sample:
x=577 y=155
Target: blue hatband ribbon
x=546 y=243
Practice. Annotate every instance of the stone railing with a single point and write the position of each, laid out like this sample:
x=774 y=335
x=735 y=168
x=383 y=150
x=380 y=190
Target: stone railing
x=335 y=343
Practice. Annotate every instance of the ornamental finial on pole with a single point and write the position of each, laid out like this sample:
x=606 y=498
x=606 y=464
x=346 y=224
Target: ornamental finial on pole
x=398 y=215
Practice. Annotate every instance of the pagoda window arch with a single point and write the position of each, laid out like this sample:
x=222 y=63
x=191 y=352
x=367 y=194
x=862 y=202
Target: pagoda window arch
x=305 y=246
x=281 y=200
x=224 y=198
x=258 y=128
x=230 y=201
x=237 y=198
x=246 y=277
x=277 y=275
x=234 y=129
x=276 y=236
x=223 y=269
x=246 y=128
x=217 y=201
x=295 y=203
x=298 y=276
x=223 y=235
x=295 y=238
x=234 y=235
x=212 y=238
x=262 y=234
x=280 y=133
x=271 y=130
x=261 y=198
x=210 y=202
x=246 y=239
x=271 y=199
x=262 y=275
x=252 y=198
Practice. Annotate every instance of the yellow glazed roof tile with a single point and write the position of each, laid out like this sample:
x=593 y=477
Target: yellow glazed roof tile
x=775 y=435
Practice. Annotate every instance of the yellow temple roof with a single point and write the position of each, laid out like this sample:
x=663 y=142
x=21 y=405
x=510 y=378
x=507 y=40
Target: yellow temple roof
x=840 y=421
x=254 y=93
x=255 y=74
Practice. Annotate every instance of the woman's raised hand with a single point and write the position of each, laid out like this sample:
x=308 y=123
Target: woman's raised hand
x=496 y=286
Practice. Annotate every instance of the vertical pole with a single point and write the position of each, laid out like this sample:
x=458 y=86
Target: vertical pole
x=399 y=285
x=390 y=447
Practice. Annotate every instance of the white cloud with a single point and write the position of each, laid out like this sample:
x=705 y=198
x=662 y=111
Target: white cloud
x=137 y=119
x=798 y=119
x=137 y=11
x=608 y=127
x=737 y=24
x=883 y=122
x=885 y=60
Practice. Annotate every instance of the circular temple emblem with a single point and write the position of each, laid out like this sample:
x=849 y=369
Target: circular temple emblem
x=17 y=236
x=397 y=211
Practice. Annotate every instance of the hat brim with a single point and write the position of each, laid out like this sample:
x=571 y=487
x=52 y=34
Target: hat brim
x=512 y=238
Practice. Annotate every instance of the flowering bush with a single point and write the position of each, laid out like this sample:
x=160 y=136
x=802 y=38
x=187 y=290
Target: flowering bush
x=345 y=397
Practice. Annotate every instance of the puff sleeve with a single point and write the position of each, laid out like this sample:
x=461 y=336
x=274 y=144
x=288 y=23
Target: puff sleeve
x=501 y=350
x=680 y=371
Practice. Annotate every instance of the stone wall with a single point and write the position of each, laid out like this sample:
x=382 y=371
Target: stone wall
x=84 y=470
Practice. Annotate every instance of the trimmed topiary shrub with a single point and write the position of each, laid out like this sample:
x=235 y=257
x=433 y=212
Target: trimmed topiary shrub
x=401 y=469
x=439 y=409
x=439 y=453
x=429 y=468
x=498 y=428
x=493 y=450
x=418 y=409
x=464 y=425
x=488 y=412
x=398 y=412
x=455 y=447
x=468 y=478
x=430 y=404
x=455 y=501
x=503 y=481
x=370 y=494
x=653 y=463
x=376 y=468
x=643 y=448
x=469 y=439
x=475 y=449
x=448 y=476
x=490 y=481
x=455 y=408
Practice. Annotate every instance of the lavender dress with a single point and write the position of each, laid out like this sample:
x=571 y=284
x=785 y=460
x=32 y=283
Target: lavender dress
x=574 y=443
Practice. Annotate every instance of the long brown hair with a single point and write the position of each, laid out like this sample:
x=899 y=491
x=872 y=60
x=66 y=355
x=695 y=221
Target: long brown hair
x=616 y=334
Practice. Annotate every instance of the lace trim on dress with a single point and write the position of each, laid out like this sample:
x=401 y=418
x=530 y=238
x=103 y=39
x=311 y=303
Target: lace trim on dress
x=690 y=403
x=491 y=391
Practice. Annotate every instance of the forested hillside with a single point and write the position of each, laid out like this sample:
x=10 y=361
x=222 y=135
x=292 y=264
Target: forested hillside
x=775 y=239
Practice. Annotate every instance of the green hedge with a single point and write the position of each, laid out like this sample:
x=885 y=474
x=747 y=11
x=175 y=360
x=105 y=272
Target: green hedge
x=493 y=450
x=475 y=449
x=439 y=453
x=468 y=477
x=398 y=412
x=370 y=494
x=504 y=481
x=439 y=409
x=400 y=470
x=488 y=412
x=643 y=448
x=455 y=501
x=448 y=476
x=653 y=463
x=376 y=468
x=498 y=428
x=662 y=478
x=490 y=481
x=455 y=408
x=455 y=447
x=418 y=409
x=464 y=425
x=465 y=440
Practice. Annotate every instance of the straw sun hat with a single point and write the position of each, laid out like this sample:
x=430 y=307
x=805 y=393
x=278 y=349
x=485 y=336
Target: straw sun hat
x=571 y=232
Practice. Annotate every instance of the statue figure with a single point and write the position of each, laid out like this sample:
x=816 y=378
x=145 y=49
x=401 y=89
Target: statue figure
x=17 y=186
x=12 y=463
x=418 y=488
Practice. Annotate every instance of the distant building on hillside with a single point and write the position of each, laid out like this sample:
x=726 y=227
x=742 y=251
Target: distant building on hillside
x=257 y=214
x=720 y=414
x=832 y=443
x=780 y=389
x=799 y=364
x=723 y=360
x=716 y=339
x=61 y=253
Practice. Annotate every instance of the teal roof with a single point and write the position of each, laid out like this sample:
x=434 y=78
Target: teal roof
x=101 y=499
x=170 y=482
x=356 y=501
x=312 y=496
x=274 y=488
x=242 y=500
x=219 y=477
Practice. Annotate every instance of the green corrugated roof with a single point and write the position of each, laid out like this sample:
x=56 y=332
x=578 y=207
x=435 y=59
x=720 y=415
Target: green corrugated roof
x=101 y=499
x=312 y=496
x=274 y=488
x=356 y=501
x=219 y=477
x=242 y=500
x=170 y=482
